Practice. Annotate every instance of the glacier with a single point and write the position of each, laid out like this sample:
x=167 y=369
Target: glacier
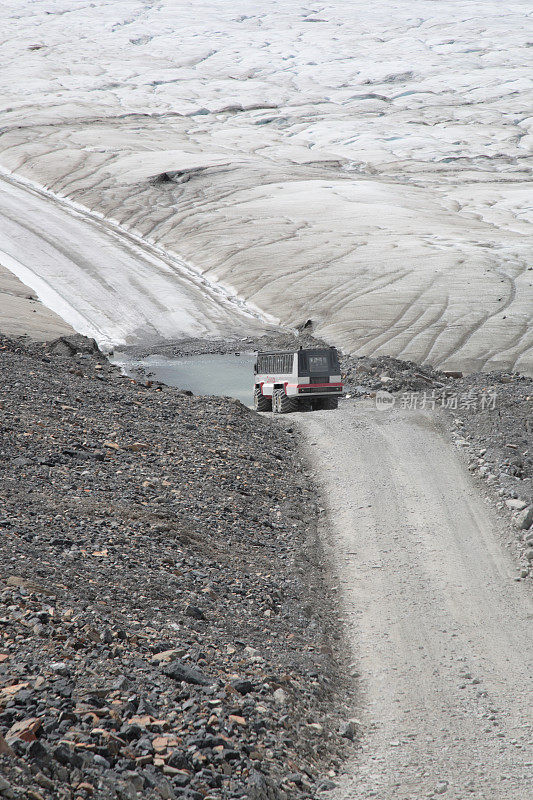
x=365 y=166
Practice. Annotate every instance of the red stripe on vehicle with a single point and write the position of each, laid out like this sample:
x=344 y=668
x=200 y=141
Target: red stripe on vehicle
x=314 y=385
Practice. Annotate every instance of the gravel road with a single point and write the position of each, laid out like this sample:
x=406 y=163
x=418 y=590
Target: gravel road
x=440 y=630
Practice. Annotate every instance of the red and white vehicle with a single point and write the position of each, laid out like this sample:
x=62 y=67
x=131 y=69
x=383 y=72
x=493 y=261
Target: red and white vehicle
x=288 y=380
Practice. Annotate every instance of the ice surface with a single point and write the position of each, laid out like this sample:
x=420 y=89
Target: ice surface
x=104 y=283
x=361 y=164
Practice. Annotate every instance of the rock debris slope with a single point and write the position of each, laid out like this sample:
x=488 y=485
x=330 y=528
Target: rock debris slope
x=364 y=165
x=160 y=635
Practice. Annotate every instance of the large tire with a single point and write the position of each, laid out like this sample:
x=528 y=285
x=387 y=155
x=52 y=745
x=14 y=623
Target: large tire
x=261 y=403
x=330 y=403
x=325 y=403
x=282 y=404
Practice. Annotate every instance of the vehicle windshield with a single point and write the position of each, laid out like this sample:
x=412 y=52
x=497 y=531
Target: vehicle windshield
x=318 y=363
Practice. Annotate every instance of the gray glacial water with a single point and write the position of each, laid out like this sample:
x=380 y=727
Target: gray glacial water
x=211 y=374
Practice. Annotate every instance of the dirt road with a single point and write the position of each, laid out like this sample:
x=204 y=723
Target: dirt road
x=440 y=630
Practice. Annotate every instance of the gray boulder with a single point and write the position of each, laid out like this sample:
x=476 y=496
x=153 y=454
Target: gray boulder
x=180 y=671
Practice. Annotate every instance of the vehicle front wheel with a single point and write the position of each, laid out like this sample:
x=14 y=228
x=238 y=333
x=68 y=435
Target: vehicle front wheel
x=261 y=403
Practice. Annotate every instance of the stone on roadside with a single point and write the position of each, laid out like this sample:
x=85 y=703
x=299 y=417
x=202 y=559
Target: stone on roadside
x=180 y=671
x=195 y=612
x=524 y=519
x=25 y=729
x=280 y=697
x=178 y=760
x=243 y=686
x=165 y=655
x=70 y=345
x=44 y=781
x=349 y=729
x=38 y=752
x=325 y=785
x=145 y=708
x=5 y=749
x=316 y=727
x=31 y=586
x=515 y=504
x=155 y=534
x=238 y=720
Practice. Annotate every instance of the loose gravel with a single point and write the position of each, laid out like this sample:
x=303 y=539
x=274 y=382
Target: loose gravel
x=166 y=628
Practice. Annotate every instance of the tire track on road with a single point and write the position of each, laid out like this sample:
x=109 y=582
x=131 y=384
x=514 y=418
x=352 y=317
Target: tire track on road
x=440 y=630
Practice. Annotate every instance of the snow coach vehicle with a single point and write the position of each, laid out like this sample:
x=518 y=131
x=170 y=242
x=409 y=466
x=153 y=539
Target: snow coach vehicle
x=295 y=380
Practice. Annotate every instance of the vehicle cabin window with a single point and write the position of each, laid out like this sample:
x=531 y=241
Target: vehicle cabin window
x=318 y=362
x=277 y=363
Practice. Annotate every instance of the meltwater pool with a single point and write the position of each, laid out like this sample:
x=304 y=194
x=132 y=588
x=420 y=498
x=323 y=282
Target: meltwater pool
x=208 y=374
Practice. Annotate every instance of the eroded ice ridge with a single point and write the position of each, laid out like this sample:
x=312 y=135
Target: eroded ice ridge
x=360 y=164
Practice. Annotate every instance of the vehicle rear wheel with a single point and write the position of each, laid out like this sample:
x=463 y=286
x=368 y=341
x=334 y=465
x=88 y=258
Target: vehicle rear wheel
x=283 y=404
x=330 y=403
x=261 y=403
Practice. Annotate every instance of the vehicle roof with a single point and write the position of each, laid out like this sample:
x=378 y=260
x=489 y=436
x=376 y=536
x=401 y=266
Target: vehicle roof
x=296 y=350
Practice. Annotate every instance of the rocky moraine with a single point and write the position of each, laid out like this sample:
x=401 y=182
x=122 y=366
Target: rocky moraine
x=162 y=632
x=167 y=629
